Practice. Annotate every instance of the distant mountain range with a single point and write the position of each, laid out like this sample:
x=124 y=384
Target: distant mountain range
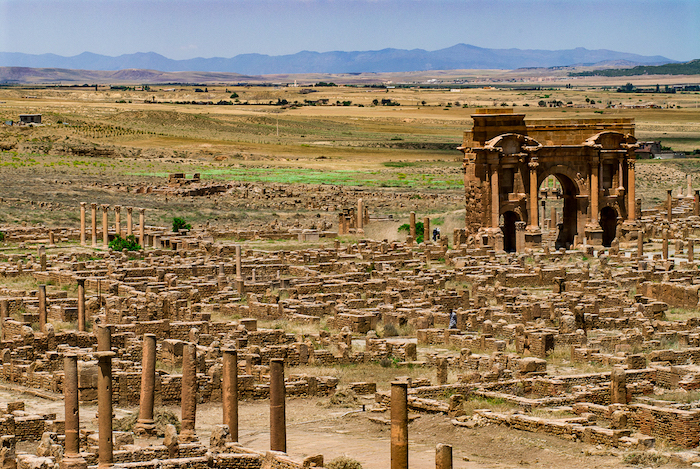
x=687 y=68
x=460 y=56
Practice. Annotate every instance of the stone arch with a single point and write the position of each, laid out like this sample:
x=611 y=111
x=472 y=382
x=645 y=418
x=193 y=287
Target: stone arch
x=608 y=223
x=508 y=228
x=571 y=184
x=512 y=143
x=610 y=140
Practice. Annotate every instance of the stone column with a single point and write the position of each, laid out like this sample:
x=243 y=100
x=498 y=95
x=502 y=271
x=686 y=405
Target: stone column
x=360 y=217
x=495 y=198
x=669 y=205
x=42 y=308
x=520 y=236
x=532 y=209
x=552 y=218
x=105 y=226
x=81 y=304
x=620 y=178
x=42 y=257
x=82 y=223
x=142 y=223
x=595 y=192
x=93 y=214
x=696 y=204
x=691 y=250
x=104 y=338
x=441 y=365
x=4 y=314
x=278 y=423
x=399 y=425
x=426 y=229
x=664 y=246
x=618 y=386
x=104 y=408
x=239 y=272
x=145 y=424
x=412 y=224
x=631 y=193
x=229 y=396
x=640 y=243
x=72 y=458
x=689 y=180
x=189 y=392
x=129 y=221
x=118 y=220
x=443 y=456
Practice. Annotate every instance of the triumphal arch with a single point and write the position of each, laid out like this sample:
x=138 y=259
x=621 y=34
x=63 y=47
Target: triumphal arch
x=507 y=158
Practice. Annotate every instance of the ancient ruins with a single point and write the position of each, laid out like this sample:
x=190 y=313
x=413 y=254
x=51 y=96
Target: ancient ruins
x=583 y=329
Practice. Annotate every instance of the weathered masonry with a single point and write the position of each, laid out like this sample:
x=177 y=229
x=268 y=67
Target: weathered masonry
x=506 y=159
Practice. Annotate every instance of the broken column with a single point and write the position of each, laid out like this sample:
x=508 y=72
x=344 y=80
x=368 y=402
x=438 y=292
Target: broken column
x=104 y=408
x=399 y=425
x=82 y=223
x=426 y=229
x=441 y=365
x=189 y=392
x=118 y=220
x=104 y=338
x=412 y=224
x=145 y=424
x=443 y=456
x=618 y=385
x=93 y=214
x=278 y=428
x=105 y=226
x=360 y=218
x=696 y=204
x=691 y=250
x=72 y=458
x=129 y=221
x=230 y=391
x=239 y=274
x=42 y=257
x=640 y=243
x=42 y=308
x=81 y=304
x=669 y=205
x=664 y=246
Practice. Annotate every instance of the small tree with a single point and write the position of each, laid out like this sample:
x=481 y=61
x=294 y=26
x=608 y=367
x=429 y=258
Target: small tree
x=179 y=223
x=129 y=243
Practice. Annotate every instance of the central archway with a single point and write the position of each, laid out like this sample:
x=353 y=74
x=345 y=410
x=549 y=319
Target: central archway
x=566 y=206
x=508 y=228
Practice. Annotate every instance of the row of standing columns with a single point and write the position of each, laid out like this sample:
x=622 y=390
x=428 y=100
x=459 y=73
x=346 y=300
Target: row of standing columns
x=105 y=223
x=146 y=425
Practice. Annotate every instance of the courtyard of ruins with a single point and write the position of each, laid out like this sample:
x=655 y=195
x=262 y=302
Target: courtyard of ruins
x=305 y=314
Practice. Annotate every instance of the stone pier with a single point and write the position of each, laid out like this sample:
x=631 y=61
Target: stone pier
x=42 y=257
x=145 y=425
x=618 y=386
x=399 y=425
x=189 y=393
x=278 y=425
x=71 y=458
x=230 y=391
x=441 y=365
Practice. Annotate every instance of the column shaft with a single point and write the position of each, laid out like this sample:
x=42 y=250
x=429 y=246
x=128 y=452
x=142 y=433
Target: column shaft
x=399 y=425
x=230 y=391
x=278 y=426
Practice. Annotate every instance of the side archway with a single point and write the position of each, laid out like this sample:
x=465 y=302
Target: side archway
x=608 y=222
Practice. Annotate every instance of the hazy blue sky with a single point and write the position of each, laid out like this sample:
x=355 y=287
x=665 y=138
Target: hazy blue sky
x=182 y=29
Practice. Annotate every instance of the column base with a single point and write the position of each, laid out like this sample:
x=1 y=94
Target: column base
x=73 y=461
x=240 y=286
x=187 y=436
x=594 y=236
x=145 y=428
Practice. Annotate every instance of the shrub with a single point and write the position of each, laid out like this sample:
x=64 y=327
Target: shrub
x=419 y=230
x=2 y=236
x=343 y=462
x=179 y=223
x=129 y=243
x=390 y=331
